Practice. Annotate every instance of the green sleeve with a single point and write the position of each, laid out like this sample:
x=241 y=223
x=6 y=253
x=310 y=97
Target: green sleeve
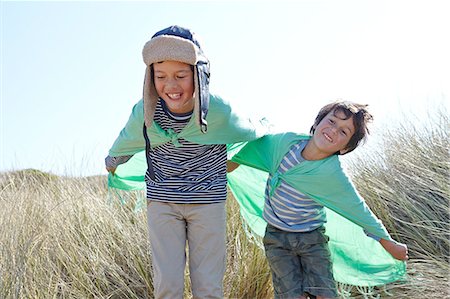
x=356 y=207
x=326 y=182
x=131 y=139
x=256 y=154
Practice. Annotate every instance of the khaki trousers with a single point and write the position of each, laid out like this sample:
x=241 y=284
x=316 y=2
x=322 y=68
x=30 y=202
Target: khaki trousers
x=203 y=228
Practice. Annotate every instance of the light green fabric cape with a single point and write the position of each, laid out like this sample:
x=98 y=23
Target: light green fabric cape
x=357 y=259
x=225 y=126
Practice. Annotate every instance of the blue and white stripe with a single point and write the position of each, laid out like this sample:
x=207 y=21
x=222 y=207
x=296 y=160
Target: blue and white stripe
x=288 y=209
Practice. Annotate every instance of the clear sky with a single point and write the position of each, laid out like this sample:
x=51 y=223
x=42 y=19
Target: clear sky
x=71 y=71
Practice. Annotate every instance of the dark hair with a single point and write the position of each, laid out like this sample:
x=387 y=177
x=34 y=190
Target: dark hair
x=361 y=118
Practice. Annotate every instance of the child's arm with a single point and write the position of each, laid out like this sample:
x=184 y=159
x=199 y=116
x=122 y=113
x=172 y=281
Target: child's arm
x=131 y=138
x=111 y=163
x=398 y=250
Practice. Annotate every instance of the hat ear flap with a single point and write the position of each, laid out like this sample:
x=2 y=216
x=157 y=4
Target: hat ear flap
x=201 y=81
x=150 y=97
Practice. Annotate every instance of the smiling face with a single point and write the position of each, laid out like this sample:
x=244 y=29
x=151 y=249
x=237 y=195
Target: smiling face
x=174 y=82
x=331 y=135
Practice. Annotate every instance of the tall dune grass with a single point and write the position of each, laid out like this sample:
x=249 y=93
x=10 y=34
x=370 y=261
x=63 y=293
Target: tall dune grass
x=60 y=238
x=65 y=237
x=406 y=181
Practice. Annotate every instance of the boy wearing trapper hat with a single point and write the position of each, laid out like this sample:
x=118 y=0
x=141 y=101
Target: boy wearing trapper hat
x=184 y=131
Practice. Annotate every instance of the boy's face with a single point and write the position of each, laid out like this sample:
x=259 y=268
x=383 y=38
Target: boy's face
x=333 y=133
x=174 y=82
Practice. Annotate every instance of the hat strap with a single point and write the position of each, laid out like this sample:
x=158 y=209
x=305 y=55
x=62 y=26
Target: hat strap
x=150 y=169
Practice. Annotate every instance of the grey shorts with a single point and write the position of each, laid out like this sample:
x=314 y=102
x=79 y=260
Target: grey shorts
x=299 y=262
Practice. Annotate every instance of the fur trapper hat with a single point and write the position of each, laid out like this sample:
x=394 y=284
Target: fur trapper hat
x=178 y=44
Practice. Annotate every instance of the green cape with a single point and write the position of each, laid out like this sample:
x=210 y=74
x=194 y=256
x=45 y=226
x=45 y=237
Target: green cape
x=225 y=126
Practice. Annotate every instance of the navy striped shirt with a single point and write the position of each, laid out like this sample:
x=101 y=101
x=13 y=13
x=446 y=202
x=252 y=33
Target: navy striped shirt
x=188 y=172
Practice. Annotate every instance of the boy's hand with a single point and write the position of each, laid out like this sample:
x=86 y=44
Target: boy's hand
x=398 y=250
x=231 y=165
x=111 y=169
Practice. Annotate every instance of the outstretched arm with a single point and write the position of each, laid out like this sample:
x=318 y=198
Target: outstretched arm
x=398 y=250
x=131 y=138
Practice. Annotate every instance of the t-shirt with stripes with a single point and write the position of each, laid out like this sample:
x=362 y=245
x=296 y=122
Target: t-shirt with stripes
x=288 y=209
x=188 y=172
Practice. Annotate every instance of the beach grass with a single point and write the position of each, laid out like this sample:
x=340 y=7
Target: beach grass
x=68 y=237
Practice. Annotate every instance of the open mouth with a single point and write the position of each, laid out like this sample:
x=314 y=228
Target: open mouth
x=327 y=137
x=174 y=96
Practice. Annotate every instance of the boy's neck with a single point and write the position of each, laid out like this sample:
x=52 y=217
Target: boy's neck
x=311 y=153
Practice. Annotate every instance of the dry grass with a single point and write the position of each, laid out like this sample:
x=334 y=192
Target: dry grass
x=406 y=182
x=62 y=237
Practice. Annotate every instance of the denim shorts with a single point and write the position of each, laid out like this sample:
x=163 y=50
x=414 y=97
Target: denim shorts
x=300 y=263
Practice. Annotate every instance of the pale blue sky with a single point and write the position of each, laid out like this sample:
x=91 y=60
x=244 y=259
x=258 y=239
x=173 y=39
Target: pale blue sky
x=71 y=71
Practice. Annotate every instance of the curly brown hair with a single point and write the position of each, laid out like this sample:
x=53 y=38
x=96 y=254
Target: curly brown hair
x=361 y=119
